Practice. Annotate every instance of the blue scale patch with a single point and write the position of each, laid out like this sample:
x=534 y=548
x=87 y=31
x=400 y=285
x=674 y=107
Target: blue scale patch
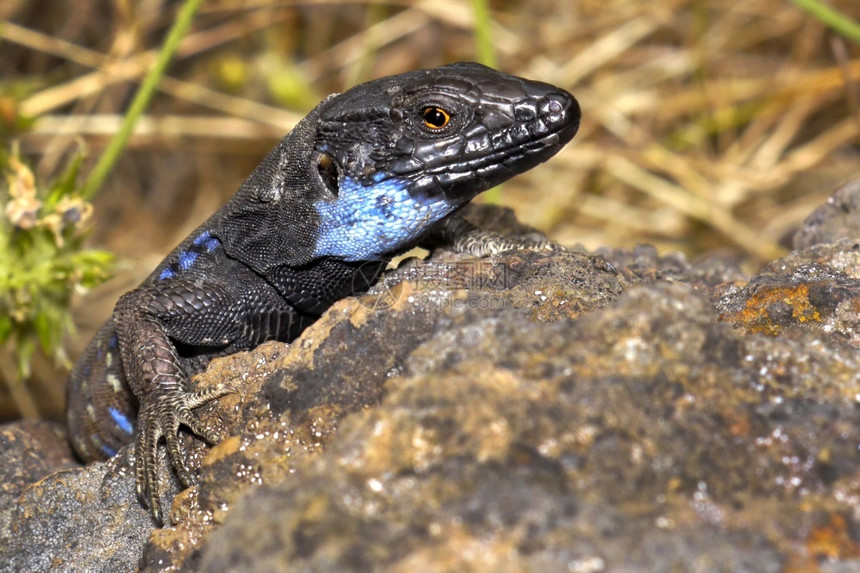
x=120 y=419
x=207 y=241
x=201 y=238
x=186 y=259
x=201 y=244
x=367 y=222
x=107 y=450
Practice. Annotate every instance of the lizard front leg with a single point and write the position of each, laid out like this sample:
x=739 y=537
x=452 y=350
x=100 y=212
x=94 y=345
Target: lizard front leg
x=148 y=321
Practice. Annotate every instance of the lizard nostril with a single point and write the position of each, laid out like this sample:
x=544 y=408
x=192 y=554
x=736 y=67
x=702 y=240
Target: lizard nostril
x=554 y=104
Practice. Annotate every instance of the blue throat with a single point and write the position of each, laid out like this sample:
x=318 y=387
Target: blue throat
x=368 y=222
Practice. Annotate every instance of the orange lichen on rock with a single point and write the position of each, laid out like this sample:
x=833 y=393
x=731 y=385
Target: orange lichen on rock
x=832 y=540
x=767 y=308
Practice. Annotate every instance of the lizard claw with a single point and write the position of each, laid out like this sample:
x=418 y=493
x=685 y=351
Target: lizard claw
x=160 y=416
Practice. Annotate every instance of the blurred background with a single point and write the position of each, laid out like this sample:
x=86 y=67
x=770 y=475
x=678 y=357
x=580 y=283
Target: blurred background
x=708 y=125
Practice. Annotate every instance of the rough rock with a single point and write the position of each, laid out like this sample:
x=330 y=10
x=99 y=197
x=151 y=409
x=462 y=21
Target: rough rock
x=838 y=218
x=29 y=451
x=554 y=411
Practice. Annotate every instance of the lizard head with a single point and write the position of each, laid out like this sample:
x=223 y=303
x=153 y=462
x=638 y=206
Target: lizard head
x=397 y=154
x=370 y=170
x=453 y=131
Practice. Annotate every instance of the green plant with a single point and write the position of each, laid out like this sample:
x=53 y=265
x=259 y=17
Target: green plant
x=42 y=260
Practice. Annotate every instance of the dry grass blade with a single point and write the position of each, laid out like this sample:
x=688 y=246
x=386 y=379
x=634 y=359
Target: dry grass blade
x=156 y=128
x=110 y=71
x=678 y=197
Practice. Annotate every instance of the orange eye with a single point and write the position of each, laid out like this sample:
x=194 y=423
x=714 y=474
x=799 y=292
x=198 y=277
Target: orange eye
x=435 y=117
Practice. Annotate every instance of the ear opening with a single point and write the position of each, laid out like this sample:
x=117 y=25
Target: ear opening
x=328 y=172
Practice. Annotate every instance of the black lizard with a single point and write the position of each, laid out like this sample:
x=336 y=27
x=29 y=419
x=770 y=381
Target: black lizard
x=366 y=175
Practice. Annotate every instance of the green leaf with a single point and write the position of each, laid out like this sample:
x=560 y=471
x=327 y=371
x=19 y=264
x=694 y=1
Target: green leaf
x=5 y=327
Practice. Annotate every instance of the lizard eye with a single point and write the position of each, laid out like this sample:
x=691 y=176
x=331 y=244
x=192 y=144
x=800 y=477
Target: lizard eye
x=435 y=117
x=327 y=169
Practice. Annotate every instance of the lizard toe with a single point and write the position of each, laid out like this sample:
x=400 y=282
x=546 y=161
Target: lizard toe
x=192 y=400
x=146 y=461
x=212 y=433
x=176 y=451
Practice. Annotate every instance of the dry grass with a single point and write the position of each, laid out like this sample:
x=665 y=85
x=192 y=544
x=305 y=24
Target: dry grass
x=708 y=124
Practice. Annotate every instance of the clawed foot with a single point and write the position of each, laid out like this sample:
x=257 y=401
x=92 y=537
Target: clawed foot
x=160 y=416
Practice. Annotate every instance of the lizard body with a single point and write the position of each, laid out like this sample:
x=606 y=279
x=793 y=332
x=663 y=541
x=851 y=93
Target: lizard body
x=366 y=175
